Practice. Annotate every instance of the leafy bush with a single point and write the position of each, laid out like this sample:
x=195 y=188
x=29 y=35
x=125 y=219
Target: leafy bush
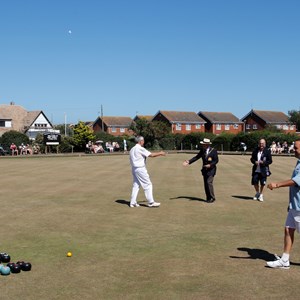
x=252 y=139
x=168 y=143
x=223 y=141
x=82 y=134
x=66 y=144
x=15 y=137
x=191 y=141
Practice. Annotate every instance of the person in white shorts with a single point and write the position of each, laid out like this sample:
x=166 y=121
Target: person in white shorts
x=293 y=218
x=138 y=155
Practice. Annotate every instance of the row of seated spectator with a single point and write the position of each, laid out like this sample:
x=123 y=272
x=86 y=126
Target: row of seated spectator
x=98 y=147
x=277 y=148
x=24 y=149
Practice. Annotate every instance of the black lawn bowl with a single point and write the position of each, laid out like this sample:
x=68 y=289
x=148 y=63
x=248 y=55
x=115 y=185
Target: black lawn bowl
x=15 y=268
x=20 y=263
x=26 y=266
x=10 y=264
x=4 y=257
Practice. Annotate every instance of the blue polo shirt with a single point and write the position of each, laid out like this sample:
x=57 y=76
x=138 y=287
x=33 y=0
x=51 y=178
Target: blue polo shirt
x=295 y=190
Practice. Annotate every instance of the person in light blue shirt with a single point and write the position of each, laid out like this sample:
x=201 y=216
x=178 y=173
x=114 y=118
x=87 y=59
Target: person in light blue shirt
x=293 y=218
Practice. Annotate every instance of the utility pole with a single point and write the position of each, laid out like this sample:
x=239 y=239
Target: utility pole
x=65 y=124
x=102 y=118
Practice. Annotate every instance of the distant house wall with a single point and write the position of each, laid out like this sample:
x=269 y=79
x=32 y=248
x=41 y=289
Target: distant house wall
x=180 y=127
x=162 y=118
x=218 y=128
x=97 y=127
x=117 y=130
x=41 y=121
x=218 y=122
x=186 y=128
x=254 y=123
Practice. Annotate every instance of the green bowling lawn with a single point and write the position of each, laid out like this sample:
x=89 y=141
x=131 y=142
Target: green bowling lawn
x=186 y=249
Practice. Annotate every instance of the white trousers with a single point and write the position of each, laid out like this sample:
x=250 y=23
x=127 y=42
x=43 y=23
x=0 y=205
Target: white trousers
x=141 y=178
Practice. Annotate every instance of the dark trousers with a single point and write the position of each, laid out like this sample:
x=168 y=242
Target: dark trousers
x=208 y=186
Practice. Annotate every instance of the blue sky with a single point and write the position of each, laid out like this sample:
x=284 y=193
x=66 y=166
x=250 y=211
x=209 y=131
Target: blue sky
x=69 y=57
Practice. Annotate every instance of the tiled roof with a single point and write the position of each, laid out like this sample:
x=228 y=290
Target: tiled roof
x=16 y=113
x=117 y=121
x=272 y=116
x=21 y=119
x=219 y=117
x=146 y=117
x=31 y=117
x=89 y=123
x=181 y=116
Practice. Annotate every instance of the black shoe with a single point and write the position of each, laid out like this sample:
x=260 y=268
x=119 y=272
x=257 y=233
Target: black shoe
x=211 y=200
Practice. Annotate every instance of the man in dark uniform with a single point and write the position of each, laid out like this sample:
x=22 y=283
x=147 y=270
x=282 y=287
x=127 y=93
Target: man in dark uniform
x=210 y=159
x=261 y=158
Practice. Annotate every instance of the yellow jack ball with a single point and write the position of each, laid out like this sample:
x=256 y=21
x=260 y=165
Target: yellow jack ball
x=69 y=254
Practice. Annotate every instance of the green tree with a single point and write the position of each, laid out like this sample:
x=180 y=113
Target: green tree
x=142 y=127
x=64 y=128
x=82 y=134
x=151 y=131
x=160 y=129
x=294 y=117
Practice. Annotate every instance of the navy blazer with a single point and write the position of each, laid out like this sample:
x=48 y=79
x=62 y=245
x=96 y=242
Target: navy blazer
x=266 y=157
x=211 y=158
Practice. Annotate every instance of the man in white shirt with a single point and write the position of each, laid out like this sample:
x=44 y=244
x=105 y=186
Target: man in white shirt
x=138 y=155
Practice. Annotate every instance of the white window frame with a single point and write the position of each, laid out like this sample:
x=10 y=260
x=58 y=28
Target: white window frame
x=122 y=129
x=236 y=126
x=113 y=129
x=248 y=126
x=285 y=127
x=7 y=124
x=178 y=126
x=227 y=126
x=254 y=126
x=188 y=127
x=198 y=126
x=218 y=127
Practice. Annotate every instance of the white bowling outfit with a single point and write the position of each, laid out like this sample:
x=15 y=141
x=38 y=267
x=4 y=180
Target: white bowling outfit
x=138 y=155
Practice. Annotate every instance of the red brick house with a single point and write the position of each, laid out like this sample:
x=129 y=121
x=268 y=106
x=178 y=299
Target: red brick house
x=116 y=126
x=181 y=122
x=218 y=122
x=260 y=119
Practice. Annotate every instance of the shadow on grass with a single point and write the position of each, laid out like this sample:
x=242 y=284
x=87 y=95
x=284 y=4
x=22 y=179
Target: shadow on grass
x=189 y=198
x=126 y=202
x=121 y=201
x=242 y=197
x=259 y=254
x=255 y=254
